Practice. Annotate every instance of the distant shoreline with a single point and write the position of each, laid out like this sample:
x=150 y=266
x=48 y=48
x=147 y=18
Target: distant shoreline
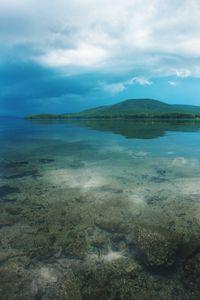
x=131 y=109
x=171 y=116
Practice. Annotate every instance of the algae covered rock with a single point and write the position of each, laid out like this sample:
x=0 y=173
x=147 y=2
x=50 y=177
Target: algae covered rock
x=110 y=277
x=111 y=225
x=14 y=285
x=157 y=248
x=49 y=284
x=123 y=278
x=45 y=283
x=42 y=246
x=191 y=274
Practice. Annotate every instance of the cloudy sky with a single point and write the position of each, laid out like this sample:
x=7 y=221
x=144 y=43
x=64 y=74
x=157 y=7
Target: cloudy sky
x=64 y=56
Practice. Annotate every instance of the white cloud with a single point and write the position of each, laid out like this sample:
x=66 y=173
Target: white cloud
x=118 y=87
x=183 y=73
x=113 y=88
x=120 y=35
x=140 y=81
x=84 y=56
x=173 y=83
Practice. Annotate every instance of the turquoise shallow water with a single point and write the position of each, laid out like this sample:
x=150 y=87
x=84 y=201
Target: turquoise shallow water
x=99 y=210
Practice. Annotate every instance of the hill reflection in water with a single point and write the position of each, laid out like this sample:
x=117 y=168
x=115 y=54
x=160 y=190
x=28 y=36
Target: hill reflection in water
x=144 y=129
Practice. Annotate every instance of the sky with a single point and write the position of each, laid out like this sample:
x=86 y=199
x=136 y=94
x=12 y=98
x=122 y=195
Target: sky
x=61 y=56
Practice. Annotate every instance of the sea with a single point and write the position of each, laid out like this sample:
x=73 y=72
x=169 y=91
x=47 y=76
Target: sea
x=99 y=209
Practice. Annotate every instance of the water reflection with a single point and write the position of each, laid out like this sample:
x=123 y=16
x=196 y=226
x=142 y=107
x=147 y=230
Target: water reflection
x=131 y=129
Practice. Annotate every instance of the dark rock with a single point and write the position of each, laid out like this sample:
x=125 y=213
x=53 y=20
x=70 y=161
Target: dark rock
x=153 y=199
x=191 y=274
x=46 y=160
x=107 y=188
x=76 y=164
x=42 y=246
x=112 y=225
x=2 y=225
x=16 y=164
x=71 y=287
x=13 y=210
x=7 y=189
x=17 y=175
x=160 y=171
x=14 y=285
x=190 y=246
x=158 y=248
x=110 y=280
x=156 y=179
x=74 y=246
x=7 y=200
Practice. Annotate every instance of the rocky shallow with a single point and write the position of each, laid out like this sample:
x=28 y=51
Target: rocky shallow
x=73 y=232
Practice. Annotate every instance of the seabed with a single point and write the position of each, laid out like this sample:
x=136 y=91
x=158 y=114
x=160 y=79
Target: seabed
x=92 y=215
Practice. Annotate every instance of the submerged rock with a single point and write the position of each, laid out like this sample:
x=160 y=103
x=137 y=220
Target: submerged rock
x=16 y=164
x=42 y=246
x=7 y=200
x=26 y=173
x=41 y=283
x=112 y=225
x=76 y=164
x=125 y=279
x=160 y=171
x=158 y=178
x=46 y=160
x=191 y=274
x=14 y=285
x=7 y=189
x=49 y=283
x=108 y=279
x=157 y=248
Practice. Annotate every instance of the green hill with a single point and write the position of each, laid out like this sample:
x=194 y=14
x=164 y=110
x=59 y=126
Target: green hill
x=132 y=108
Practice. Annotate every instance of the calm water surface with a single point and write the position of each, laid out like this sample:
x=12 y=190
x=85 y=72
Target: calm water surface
x=99 y=210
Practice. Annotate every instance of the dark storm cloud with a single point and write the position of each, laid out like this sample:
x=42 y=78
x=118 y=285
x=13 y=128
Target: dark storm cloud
x=27 y=84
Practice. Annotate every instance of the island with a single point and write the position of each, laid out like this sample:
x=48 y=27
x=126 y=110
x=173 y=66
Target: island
x=130 y=109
